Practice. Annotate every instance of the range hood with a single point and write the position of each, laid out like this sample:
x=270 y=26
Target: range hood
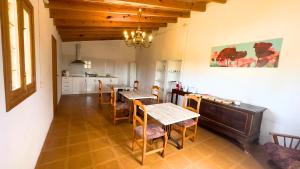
x=77 y=57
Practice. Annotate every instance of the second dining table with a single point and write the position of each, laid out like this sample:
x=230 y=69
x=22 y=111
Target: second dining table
x=137 y=95
x=168 y=114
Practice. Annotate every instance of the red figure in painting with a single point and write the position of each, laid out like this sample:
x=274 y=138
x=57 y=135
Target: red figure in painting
x=232 y=55
x=266 y=54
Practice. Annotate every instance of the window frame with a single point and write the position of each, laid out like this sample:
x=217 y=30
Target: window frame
x=88 y=64
x=15 y=97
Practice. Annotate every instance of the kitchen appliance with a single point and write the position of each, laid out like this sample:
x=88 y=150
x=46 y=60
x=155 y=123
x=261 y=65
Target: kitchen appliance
x=77 y=56
x=65 y=73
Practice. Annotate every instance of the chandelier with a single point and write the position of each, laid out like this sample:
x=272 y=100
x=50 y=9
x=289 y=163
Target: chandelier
x=138 y=37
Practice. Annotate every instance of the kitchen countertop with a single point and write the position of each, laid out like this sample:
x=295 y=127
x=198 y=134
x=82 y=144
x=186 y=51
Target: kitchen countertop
x=94 y=76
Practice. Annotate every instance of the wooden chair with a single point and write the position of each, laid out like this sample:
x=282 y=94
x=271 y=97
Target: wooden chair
x=101 y=93
x=155 y=90
x=143 y=132
x=136 y=85
x=284 y=152
x=118 y=107
x=183 y=126
x=292 y=144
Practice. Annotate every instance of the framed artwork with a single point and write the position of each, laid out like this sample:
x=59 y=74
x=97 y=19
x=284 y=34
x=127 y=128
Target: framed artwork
x=264 y=53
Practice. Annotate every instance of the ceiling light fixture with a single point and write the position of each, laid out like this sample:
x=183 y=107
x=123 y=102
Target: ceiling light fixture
x=138 y=37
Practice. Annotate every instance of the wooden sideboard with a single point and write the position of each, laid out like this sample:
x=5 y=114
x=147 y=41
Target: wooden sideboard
x=241 y=123
x=177 y=93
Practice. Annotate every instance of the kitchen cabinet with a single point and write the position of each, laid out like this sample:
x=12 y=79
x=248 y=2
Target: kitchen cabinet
x=79 y=85
x=67 y=85
x=84 y=85
x=91 y=85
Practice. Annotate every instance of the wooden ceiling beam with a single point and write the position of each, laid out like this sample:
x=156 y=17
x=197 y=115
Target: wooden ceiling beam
x=89 y=39
x=94 y=33
x=84 y=15
x=101 y=29
x=103 y=32
x=182 y=5
x=90 y=34
x=217 y=1
x=114 y=8
x=91 y=23
x=79 y=37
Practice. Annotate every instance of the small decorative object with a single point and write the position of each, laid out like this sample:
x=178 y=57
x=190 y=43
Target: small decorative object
x=227 y=102
x=212 y=98
x=177 y=86
x=252 y=54
x=65 y=73
x=192 y=89
x=138 y=37
x=219 y=100
x=205 y=96
x=185 y=88
x=180 y=86
x=237 y=103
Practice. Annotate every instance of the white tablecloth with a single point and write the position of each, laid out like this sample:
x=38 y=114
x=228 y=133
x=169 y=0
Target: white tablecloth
x=169 y=113
x=131 y=95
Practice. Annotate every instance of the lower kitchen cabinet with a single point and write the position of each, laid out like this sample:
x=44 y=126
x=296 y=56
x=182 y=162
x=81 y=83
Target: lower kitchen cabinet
x=83 y=85
x=67 y=85
x=79 y=85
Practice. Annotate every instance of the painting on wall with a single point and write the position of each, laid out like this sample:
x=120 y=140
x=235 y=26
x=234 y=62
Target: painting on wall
x=252 y=54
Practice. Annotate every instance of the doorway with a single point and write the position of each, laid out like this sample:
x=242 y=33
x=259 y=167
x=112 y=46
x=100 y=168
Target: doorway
x=54 y=72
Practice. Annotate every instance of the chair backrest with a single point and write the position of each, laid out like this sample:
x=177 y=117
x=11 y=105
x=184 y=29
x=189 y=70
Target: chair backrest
x=136 y=85
x=287 y=141
x=113 y=96
x=139 y=107
x=100 y=86
x=192 y=102
x=155 y=90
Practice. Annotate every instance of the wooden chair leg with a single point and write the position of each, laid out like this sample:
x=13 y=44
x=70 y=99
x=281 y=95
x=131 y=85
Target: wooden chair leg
x=195 y=133
x=115 y=116
x=130 y=111
x=183 y=137
x=144 y=151
x=133 y=141
x=165 y=144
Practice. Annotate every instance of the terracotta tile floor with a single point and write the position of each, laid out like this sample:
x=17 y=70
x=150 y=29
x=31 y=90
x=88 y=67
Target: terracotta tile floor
x=82 y=136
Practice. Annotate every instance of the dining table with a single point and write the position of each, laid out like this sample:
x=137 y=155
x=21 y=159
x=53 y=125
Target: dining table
x=137 y=95
x=168 y=114
x=121 y=87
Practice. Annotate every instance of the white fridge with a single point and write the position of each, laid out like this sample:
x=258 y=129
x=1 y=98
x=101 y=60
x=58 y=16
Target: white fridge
x=132 y=73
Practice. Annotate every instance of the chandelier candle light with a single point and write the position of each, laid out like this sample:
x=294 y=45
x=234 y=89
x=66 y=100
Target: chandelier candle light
x=138 y=37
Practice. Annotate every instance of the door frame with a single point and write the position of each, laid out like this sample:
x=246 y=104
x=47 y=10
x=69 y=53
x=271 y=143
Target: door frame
x=54 y=72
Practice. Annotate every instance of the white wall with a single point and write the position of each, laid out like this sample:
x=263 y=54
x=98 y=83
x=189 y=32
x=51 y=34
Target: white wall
x=168 y=44
x=24 y=128
x=108 y=57
x=235 y=22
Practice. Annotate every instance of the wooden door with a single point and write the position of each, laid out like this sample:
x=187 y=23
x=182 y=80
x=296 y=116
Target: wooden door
x=54 y=72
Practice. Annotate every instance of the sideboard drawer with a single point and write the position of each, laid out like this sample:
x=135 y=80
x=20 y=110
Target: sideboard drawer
x=234 y=118
x=210 y=111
